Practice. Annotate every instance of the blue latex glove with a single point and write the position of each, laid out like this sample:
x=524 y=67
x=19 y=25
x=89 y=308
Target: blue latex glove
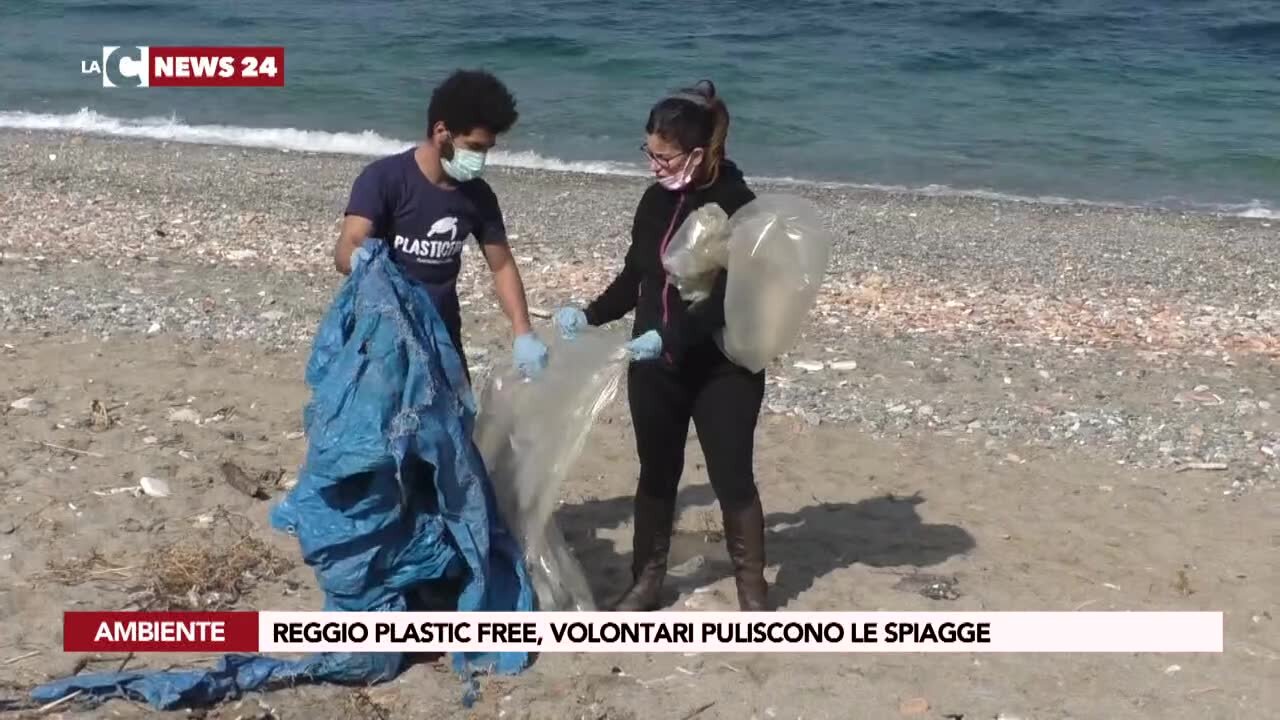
x=358 y=257
x=530 y=355
x=646 y=347
x=570 y=321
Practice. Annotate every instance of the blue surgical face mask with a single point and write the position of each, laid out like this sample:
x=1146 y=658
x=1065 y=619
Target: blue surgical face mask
x=465 y=165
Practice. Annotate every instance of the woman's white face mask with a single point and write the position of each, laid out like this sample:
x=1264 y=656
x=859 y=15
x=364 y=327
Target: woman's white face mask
x=677 y=178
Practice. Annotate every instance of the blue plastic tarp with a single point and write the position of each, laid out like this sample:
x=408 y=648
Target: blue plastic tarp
x=393 y=508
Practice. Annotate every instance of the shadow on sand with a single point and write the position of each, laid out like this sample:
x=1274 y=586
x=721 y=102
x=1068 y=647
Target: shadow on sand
x=882 y=532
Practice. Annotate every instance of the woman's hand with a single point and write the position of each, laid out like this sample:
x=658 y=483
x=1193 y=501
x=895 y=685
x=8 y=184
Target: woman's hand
x=570 y=321
x=646 y=347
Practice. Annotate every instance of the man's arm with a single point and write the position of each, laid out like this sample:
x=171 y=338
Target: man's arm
x=366 y=205
x=508 y=285
x=491 y=234
x=354 y=231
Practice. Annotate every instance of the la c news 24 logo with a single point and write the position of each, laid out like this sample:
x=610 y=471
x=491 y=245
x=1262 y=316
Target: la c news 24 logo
x=121 y=66
x=141 y=66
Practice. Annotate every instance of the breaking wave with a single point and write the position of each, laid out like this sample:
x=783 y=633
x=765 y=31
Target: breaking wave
x=369 y=143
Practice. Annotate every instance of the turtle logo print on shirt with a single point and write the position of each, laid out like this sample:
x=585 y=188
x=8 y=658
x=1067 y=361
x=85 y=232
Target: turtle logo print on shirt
x=440 y=246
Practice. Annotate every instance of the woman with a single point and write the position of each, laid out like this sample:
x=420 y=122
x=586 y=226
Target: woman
x=680 y=374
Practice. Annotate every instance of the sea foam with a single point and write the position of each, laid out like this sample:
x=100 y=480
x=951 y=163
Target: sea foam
x=367 y=143
x=372 y=144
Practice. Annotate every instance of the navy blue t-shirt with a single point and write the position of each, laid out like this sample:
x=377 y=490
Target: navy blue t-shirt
x=426 y=226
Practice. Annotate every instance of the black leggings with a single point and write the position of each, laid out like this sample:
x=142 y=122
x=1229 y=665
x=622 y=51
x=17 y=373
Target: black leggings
x=721 y=398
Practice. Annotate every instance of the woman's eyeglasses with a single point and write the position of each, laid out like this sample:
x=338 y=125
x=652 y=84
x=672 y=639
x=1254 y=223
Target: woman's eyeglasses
x=663 y=161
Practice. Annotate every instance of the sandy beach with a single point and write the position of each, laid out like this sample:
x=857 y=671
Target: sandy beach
x=1046 y=407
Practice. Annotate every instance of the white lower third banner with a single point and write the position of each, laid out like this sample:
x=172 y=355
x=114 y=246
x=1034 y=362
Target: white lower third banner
x=738 y=632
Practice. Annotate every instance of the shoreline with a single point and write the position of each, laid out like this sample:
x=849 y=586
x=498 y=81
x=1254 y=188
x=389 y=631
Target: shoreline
x=613 y=170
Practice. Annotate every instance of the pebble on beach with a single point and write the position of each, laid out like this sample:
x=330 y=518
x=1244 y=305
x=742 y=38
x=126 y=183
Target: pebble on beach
x=939 y=325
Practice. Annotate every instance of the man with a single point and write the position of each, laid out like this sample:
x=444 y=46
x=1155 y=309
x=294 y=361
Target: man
x=426 y=201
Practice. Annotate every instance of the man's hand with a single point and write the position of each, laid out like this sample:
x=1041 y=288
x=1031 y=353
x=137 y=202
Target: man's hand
x=354 y=231
x=530 y=355
x=359 y=257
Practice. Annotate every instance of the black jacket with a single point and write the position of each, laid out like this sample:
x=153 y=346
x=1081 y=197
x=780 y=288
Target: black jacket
x=642 y=284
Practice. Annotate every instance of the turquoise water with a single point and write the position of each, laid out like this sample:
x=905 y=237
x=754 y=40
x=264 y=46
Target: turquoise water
x=1167 y=102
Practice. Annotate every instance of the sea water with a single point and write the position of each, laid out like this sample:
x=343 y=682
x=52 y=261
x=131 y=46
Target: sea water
x=1161 y=102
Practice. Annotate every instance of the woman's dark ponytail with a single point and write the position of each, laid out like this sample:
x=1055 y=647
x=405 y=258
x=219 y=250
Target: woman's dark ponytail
x=719 y=129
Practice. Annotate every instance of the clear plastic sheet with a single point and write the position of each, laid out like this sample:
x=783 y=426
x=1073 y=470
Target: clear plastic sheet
x=778 y=255
x=530 y=433
x=699 y=250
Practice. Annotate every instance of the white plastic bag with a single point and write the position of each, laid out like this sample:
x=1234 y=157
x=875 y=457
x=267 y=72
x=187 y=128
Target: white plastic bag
x=530 y=433
x=698 y=251
x=778 y=255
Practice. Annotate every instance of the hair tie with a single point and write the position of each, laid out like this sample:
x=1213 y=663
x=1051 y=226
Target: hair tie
x=695 y=98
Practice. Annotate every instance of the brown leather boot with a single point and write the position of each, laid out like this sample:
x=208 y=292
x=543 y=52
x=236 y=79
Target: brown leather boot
x=650 y=544
x=744 y=535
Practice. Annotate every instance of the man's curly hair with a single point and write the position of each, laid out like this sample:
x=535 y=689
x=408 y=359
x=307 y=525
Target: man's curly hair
x=470 y=99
